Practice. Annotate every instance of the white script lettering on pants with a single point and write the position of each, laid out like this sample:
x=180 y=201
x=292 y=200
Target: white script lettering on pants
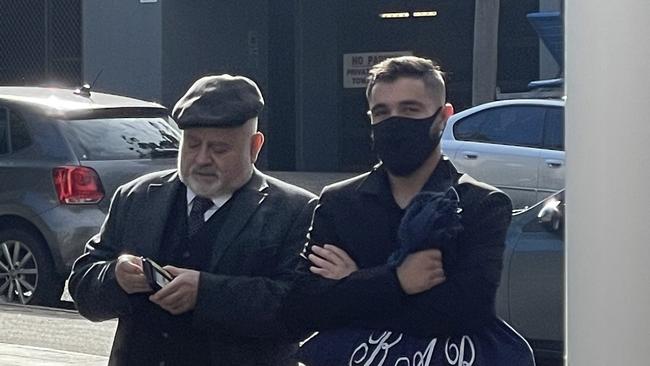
x=419 y=358
x=380 y=344
x=459 y=352
x=376 y=350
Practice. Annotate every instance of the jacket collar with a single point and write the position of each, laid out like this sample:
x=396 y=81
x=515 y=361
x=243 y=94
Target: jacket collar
x=444 y=176
x=160 y=200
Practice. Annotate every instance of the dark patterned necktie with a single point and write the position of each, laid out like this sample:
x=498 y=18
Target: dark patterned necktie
x=197 y=214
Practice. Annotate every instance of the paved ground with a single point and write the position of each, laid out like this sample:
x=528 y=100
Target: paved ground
x=16 y=355
x=42 y=336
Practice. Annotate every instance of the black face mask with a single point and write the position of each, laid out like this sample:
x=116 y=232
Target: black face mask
x=403 y=144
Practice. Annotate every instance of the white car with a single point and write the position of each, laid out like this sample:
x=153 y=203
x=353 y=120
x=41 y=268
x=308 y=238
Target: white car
x=516 y=145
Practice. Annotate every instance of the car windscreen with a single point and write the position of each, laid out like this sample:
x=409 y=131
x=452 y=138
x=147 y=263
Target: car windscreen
x=122 y=138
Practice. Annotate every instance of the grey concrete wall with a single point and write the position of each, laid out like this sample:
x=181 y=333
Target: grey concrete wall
x=607 y=251
x=123 y=40
x=486 y=37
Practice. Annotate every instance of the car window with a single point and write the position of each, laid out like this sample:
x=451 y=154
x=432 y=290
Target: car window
x=554 y=129
x=13 y=125
x=512 y=125
x=470 y=128
x=121 y=138
x=20 y=137
x=4 y=128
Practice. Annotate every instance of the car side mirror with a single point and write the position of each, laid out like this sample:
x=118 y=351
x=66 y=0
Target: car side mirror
x=551 y=216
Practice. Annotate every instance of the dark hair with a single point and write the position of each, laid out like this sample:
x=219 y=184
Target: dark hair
x=391 y=69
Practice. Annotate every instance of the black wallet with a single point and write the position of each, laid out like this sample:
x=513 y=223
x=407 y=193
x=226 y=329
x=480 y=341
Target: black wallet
x=155 y=274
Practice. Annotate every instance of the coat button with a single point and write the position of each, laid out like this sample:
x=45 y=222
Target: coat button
x=161 y=363
x=164 y=334
x=186 y=254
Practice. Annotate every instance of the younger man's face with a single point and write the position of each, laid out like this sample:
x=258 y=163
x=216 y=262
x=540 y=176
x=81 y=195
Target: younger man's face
x=405 y=97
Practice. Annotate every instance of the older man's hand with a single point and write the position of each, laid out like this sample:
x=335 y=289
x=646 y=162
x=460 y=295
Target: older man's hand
x=178 y=296
x=129 y=274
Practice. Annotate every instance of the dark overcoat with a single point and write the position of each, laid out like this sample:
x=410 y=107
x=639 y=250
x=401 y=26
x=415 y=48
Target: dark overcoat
x=361 y=217
x=250 y=270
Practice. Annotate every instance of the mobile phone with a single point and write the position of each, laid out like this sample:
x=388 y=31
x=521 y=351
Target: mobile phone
x=157 y=276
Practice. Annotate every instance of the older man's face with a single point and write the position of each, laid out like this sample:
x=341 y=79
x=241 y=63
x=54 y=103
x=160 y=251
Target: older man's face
x=215 y=161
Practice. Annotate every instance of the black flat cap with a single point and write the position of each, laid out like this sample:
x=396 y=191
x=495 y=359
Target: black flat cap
x=219 y=101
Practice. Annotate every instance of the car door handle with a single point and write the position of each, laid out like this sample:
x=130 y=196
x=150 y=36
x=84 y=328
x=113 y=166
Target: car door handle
x=470 y=155
x=554 y=163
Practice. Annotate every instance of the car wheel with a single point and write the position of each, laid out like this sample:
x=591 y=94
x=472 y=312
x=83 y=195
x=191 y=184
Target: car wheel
x=26 y=271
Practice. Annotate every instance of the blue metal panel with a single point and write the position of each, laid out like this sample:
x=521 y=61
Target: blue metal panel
x=550 y=28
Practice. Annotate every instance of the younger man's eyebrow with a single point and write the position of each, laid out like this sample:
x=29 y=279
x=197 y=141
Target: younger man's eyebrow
x=378 y=106
x=407 y=103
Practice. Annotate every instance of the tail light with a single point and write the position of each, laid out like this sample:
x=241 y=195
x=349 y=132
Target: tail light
x=77 y=185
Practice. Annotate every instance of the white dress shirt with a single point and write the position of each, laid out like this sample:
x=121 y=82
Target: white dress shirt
x=218 y=202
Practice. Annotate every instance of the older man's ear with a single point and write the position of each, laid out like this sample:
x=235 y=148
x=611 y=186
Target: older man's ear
x=257 y=140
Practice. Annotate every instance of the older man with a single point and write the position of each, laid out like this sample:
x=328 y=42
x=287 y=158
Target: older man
x=225 y=232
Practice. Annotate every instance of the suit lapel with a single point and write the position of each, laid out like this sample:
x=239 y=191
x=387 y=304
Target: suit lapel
x=245 y=203
x=159 y=202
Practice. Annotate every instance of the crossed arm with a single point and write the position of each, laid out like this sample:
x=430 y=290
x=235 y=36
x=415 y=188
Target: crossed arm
x=419 y=297
x=419 y=272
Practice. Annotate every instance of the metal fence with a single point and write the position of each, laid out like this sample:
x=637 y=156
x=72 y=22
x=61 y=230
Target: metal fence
x=40 y=42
